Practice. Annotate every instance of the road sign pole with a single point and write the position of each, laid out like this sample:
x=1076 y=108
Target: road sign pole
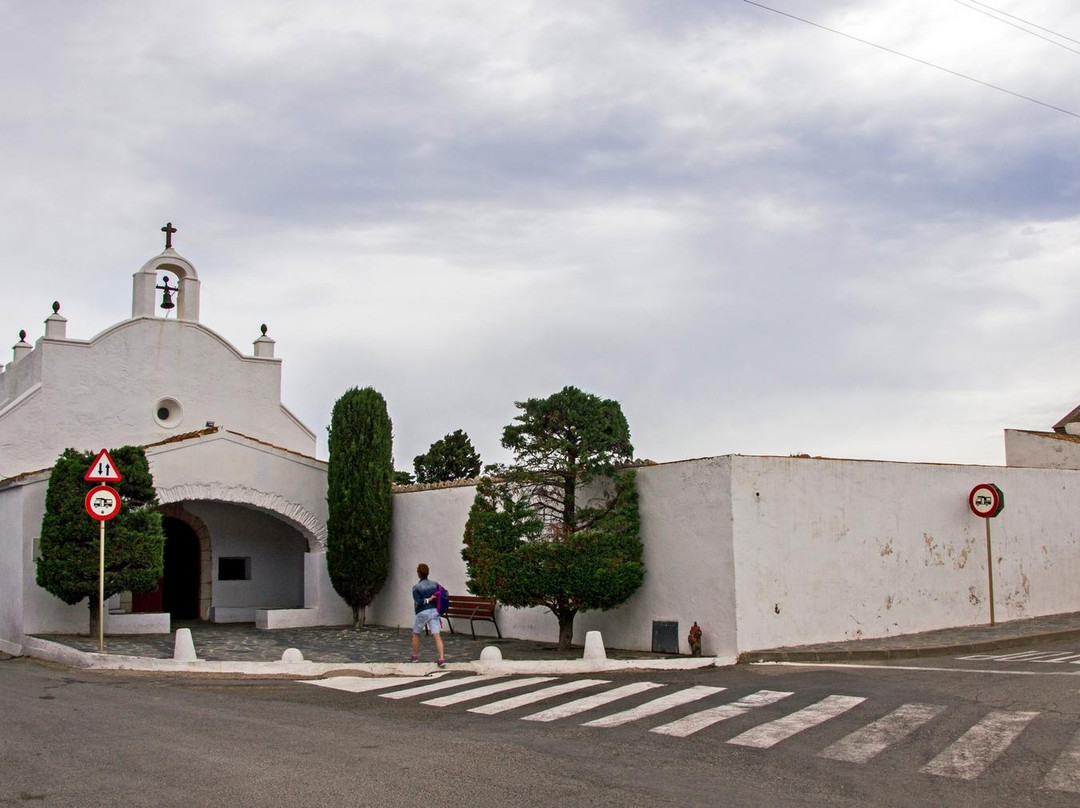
x=989 y=565
x=100 y=590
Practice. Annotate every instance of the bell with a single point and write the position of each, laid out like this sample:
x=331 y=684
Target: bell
x=166 y=295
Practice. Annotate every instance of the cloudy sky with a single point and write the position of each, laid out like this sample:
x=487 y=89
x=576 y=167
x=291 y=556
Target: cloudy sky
x=758 y=235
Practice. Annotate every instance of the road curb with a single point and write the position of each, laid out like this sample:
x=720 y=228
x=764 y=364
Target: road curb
x=869 y=654
x=49 y=651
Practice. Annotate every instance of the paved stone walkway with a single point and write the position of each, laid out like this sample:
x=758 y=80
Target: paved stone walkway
x=967 y=639
x=242 y=642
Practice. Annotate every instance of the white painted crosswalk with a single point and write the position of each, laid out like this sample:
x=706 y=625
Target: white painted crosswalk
x=768 y=735
x=1048 y=657
x=696 y=709
x=706 y=718
x=979 y=746
x=654 y=707
x=591 y=702
x=865 y=743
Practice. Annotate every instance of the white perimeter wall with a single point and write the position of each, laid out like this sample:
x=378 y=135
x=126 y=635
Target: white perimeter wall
x=1049 y=450
x=42 y=611
x=11 y=564
x=835 y=549
x=686 y=530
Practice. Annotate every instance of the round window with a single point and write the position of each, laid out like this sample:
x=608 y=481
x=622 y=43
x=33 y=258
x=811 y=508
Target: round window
x=168 y=413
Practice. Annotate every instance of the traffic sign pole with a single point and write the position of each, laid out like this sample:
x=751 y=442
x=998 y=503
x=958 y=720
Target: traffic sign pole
x=102 y=503
x=989 y=566
x=987 y=501
x=101 y=589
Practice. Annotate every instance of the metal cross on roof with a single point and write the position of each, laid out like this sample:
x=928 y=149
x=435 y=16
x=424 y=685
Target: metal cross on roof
x=168 y=230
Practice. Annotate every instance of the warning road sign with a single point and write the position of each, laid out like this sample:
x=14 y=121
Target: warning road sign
x=103 y=470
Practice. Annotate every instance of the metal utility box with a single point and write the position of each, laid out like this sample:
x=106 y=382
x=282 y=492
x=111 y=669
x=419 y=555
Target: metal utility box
x=665 y=636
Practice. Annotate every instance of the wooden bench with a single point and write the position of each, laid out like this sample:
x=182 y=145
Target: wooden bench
x=470 y=607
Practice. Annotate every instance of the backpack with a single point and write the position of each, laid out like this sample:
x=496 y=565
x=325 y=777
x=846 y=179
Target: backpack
x=442 y=599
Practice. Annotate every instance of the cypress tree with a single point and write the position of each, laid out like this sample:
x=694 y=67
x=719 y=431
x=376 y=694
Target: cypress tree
x=360 y=474
x=134 y=539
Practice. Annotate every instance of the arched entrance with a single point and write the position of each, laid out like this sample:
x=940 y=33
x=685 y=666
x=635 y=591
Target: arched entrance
x=178 y=590
x=180 y=585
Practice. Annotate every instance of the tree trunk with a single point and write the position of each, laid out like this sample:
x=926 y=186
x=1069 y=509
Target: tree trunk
x=566 y=629
x=359 y=616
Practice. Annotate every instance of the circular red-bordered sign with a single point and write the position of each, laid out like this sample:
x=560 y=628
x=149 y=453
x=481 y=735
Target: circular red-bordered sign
x=986 y=500
x=102 y=503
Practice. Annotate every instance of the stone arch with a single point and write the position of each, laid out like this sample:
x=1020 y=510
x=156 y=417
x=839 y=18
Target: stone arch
x=311 y=527
x=206 y=570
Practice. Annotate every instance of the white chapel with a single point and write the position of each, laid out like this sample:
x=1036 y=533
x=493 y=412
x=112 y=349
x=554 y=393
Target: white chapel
x=242 y=493
x=759 y=551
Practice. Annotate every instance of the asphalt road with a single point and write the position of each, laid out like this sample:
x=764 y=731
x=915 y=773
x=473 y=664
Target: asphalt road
x=949 y=731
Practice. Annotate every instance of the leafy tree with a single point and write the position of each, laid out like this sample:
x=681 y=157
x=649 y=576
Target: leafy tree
x=360 y=474
x=403 y=478
x=134 y=539
x=559 y=527
x=449 y=458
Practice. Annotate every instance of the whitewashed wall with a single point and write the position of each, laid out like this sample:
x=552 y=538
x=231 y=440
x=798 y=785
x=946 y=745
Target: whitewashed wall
x=686 y=530
x=838 y=549
x=1042 y=449
x=11 y=563
x=105 y=391
x=42 y=611
x=760 y=551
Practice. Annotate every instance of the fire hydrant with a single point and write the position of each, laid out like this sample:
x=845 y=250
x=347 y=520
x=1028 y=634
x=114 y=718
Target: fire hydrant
x=694 y=638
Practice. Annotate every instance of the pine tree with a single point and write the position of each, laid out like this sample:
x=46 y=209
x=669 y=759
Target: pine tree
x=452 y=457
x=360 y=475
x=135 y=539
x=559 y=527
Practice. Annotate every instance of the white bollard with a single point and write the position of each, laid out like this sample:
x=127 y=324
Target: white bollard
x=184 y=649
x=491 y=654
x=594 y=646
x=292 y=655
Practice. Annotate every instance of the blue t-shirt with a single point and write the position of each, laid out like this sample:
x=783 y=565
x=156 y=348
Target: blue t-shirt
x=421 y=591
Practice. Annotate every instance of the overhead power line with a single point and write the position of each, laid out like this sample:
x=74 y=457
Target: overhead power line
x=1026 y=22
x=1017 y=27
x=916 y=59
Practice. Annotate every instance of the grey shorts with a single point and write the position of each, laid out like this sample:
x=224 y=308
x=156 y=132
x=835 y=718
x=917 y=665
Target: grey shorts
x=429 y=618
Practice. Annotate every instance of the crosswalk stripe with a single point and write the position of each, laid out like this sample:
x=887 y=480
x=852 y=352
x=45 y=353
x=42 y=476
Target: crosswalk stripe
x=1065 y=776
x=655 y=706
x=860 y=746
x=537 y=695
x=767 y=735
x=977 y=748
x=589 y=702
x=486 y=690
x=706 y=718
x=356 y=684
x=437 y=686
x=1070 y=657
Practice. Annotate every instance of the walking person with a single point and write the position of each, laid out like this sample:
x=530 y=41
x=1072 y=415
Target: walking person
x=423 y=595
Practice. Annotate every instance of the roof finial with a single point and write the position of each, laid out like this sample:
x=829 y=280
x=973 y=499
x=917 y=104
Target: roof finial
x=22 y=335
x=168 y=230
x=263 y=329
x=56 y=307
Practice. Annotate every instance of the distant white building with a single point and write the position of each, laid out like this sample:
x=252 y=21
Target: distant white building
x=759 y=551
x=242 y=493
